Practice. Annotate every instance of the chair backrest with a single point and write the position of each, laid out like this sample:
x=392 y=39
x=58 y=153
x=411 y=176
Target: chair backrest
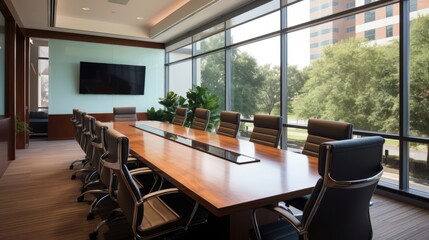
x=201 y=119
x=320 y=131
x=80 y=129
x=124 y=114
x=99 y=146
x=266 y=130
x=75 y=122
x=117 y=150
x=339 y=205
x=89 y=134
x=229 y=123
x=180 y=117
x=149 y=216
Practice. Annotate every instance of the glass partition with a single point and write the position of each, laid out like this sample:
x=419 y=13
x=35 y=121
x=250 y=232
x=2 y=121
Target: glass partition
x=2 y=66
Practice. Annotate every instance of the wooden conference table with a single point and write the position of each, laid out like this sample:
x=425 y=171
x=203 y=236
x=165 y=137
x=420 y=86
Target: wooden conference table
x=223 y=187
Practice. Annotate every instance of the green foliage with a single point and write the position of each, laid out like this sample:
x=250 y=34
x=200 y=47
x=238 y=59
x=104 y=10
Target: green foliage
x=353 y=81
x=196 y=97
x=21 y=126
x=270 y=94
x=200 y=97
x=419 y=76
x=157 y=115
x=171 y=101
x=246 y=83
x=295 y=82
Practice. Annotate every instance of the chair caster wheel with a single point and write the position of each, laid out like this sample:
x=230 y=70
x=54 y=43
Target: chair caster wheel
x=93 y=235
x=90 y=216
x=80 y=199
x=71 y=167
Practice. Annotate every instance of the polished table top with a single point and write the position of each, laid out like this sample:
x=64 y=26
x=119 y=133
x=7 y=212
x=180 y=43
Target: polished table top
x=221 y=186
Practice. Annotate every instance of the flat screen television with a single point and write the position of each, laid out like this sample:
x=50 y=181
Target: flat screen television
x=106 y=78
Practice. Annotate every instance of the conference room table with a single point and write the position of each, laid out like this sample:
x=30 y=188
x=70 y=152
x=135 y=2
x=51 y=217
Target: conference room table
x=227 y=189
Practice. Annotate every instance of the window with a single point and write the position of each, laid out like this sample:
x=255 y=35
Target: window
x=370 y=34
x=332 y=76
x=350 y=5
x=210 y=43
x=350 y=29
x=370 y=16
x=43 y=77
x=326 y=42
x=2 y=67
x=260 y=26
x=389 y=11
x=255 y=78
x=210 y=70
x=180 y=77
x=413 y=5
x=389 y=31
x=418 y=103
x=314 y=34
x=314 y=45
x=351 y=17
x=181 y=53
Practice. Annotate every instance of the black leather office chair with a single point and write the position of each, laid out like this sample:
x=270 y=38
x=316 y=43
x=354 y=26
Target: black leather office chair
x=229 y=124
x=180 y=117
x=124 y=114
x=320 y=131
x=77 y=121
x=339 y=205
x=105 y=180
x=267 y=130
x=87 y=136
x=151 y=215
x=201 y=119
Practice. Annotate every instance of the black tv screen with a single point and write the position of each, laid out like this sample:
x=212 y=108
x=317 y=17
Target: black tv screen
x=105 y=78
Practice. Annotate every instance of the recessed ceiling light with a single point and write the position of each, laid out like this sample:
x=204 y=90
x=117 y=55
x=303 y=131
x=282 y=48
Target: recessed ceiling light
x=86 y=8
x=140 y=18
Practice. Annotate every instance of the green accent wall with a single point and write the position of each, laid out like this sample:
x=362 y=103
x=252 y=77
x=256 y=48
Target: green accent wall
x=64 y=60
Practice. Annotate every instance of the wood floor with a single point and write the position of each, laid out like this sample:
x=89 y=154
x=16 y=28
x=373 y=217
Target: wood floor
x=38 y=201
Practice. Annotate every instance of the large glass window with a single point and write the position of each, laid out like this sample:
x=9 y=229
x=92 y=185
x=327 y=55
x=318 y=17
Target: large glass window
x=255 y=78
x=181 y=53
x=180 y=77
x=43 y=77
x=2 y=66
x=210 y=70
x=263 y=25
x=370 y=34
x=419 y=99
x=370 y=16
x=210 y=43
x=343 y=69
x=389 y=31
x=351 y=80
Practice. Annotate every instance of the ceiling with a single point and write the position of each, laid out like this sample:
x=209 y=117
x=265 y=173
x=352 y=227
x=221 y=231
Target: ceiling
x=146 y=20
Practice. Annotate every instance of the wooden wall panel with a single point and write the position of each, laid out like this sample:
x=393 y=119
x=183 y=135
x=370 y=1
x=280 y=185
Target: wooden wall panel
x=61 y=128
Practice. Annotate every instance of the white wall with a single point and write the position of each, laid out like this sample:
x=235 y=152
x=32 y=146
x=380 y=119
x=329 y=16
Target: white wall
x=64 y=60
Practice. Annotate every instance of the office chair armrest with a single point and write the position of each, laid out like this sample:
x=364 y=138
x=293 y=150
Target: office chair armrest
x=160 y=193
x=97 y=145
x=330 y=182
x=282 y=212
x=140 y=171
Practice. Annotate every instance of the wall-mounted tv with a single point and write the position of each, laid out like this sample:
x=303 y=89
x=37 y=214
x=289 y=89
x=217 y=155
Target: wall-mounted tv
x=106 y=78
